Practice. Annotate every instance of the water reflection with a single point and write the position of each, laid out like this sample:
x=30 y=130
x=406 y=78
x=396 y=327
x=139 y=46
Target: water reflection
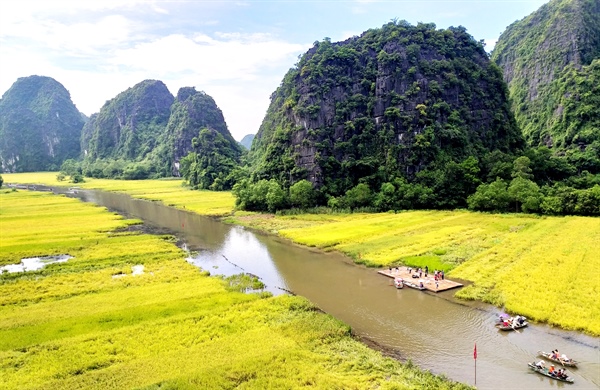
x=34 y=263
x=241 y=252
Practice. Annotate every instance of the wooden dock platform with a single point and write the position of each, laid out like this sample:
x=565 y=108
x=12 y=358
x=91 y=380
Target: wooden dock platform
x=429 y=282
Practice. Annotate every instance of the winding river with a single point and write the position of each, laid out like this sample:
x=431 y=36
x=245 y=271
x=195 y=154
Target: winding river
x=435 y=331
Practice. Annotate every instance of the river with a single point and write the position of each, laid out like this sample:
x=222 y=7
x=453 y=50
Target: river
x=435 y=331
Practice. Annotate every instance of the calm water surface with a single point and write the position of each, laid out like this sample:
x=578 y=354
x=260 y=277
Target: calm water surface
x=433 y=330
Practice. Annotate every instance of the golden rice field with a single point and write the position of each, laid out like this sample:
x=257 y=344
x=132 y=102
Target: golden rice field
x=74 y=325
x=171 y=192
x=543 y=267
x=546 y=268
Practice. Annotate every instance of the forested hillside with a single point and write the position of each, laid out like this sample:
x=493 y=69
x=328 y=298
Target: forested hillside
x=550 y=62
x=146 y=132
x=412 y=105
x=39 y=125
x=198 y=144
x=128 y=126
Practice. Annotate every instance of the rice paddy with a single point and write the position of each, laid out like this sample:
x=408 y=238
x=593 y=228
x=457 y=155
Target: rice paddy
x=545 y=268
x=74 y=325
x=172 y=192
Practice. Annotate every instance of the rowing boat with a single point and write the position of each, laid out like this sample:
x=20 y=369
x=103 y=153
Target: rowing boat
x=567 y=363
x=512 y=325
x=399 y=282
x=545 y=372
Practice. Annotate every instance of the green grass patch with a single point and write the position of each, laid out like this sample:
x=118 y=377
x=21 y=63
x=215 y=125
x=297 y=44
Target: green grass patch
x=431 y=261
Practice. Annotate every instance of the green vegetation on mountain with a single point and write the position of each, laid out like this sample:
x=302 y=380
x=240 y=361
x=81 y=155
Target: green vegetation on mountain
x=39 y=125
x=550 y=62
x=414 y=107
x=128 y=126
x=197 y=129
x=146 y=132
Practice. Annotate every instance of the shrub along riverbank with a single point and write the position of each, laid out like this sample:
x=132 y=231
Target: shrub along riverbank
x=92 y=322
x=541 y=267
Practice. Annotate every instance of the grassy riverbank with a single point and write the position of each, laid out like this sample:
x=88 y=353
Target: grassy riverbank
x=92 y=323
x=542 y=267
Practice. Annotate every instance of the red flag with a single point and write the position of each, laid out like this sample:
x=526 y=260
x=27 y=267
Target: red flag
x=475 y=352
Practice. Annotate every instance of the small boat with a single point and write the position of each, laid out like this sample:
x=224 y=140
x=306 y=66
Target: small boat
x=399 y=282
x=544 y=371
x=566 y=363
x=513 y=323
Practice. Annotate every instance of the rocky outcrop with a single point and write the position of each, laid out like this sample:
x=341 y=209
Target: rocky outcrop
x=536 y=53
x=39 y=125
x=129 y=126
x=192 y=112
x=390 y=103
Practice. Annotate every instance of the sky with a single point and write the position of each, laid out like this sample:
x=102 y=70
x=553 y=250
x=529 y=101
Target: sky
x=235 y=51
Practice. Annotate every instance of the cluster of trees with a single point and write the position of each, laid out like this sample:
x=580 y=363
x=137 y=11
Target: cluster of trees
x=551 y=186
x=522 y=193
x=213 y=163
x=75 y=171
x=269 y=195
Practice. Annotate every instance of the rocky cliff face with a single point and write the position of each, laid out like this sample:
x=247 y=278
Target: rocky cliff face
x=390 y=103
x=128 y=127
x=39 y=125
x=536 y=53
x=191 y=112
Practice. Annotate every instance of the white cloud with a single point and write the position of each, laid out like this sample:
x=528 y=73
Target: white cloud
x=98 y=49
x=227 y=56
x=490 y=44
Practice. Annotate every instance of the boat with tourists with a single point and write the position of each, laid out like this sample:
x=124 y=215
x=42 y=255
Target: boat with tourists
x=556 y=358
x=512 y=323
x=399 y=282
x=559 y=375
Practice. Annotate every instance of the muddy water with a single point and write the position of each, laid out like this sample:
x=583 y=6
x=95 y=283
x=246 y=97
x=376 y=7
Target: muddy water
x=433 y=330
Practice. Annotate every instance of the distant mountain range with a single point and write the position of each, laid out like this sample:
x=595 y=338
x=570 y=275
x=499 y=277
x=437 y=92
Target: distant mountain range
x=246 y=142
x=418 y=104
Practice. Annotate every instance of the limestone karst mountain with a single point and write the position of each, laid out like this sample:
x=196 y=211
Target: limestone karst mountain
x=40 y=126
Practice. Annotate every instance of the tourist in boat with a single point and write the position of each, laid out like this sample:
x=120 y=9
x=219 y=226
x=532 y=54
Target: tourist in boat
x=541 y=364
x=551 y=370
x=564 y=358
